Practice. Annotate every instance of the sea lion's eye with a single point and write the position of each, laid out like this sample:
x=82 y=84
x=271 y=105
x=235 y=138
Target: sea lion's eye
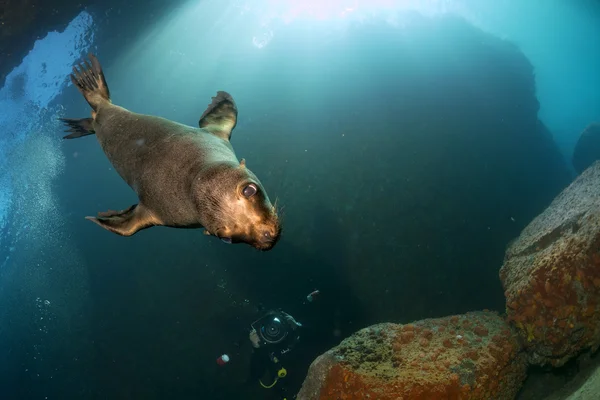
x=250 y=190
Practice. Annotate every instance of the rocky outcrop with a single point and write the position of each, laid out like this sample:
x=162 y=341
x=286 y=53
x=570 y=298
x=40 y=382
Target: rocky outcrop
x=471 y=356
x=453 y=167
x=24 y=21
x=551 y=275
x=587 y=149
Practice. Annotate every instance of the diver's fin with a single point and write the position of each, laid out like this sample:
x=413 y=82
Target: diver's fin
x=90 y=81
x=78 y=127
x=126 y=222
x=221 y=116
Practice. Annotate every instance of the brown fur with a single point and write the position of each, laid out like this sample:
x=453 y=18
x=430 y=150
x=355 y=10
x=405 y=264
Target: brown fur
x=185 y=177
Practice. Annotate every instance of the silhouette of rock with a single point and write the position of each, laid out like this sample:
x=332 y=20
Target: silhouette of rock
x=551 y=275
x=425 y=142
x=25 y=21
x=587 y=149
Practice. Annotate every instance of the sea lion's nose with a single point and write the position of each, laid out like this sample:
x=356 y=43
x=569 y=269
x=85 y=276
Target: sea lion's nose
x=268 y=235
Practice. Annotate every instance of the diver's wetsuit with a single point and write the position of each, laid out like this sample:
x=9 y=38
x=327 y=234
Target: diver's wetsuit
x=271 y=359
x=267 y=361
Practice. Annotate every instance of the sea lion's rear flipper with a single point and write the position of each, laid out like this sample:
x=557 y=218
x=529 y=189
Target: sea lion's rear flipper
x=126 y=222
x=221 y=116
x=78 y=127
x=89 y=79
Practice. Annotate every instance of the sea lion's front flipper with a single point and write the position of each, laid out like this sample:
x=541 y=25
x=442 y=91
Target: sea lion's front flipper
x=126 y=222
x=221 y=116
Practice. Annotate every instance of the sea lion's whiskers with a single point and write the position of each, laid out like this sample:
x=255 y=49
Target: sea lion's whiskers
x=184 y=176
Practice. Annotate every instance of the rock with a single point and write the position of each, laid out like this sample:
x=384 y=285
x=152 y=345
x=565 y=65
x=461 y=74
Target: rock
x=587 y=149
x=551 y=275
x=471 y=356
x=448 y=183
x=584 y=386
x=587 y=391
x=24 y=22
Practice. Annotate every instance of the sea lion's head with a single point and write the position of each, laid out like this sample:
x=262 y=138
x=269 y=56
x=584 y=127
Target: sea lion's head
x=237 y=209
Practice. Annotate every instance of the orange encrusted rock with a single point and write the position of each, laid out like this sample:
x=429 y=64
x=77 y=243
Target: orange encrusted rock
x=551 y=275
x=471 y=356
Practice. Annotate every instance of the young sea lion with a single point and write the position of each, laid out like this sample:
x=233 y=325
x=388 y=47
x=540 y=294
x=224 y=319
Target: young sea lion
x=184 y=177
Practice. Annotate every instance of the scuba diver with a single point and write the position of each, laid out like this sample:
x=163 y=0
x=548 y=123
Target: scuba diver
x=273 y=337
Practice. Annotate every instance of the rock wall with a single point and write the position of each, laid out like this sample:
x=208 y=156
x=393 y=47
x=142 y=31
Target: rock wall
x=428 y=160
x=551 y=275
x=587 y=149
x=25 y=21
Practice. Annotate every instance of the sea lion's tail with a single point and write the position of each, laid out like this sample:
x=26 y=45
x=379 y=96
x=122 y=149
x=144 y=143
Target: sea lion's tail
x=90 y=81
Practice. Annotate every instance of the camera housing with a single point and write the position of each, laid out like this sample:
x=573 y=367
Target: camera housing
x=272 y=328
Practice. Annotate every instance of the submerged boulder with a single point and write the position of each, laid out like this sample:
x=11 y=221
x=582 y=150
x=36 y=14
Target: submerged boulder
x=551 y=275
x=471 y=356
x=587 y=149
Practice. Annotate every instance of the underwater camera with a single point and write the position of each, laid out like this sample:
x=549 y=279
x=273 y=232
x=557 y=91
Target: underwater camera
x=272 y=328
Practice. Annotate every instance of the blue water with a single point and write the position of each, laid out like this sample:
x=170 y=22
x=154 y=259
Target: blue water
x=62 y=281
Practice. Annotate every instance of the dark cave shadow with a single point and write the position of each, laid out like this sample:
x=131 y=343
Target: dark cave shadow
x=285 y=278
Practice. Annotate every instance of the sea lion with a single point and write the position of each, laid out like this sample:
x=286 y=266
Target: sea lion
x=184 y=177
